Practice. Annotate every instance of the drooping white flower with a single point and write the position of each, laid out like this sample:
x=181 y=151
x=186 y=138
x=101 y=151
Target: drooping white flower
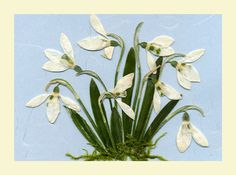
x=187 y=73
x=53 y=103
x=120 y=91
x=101 y=42
x=186 y=132
x=166 y=90
x=59 y=61
x=161 y=88
x=159 y=46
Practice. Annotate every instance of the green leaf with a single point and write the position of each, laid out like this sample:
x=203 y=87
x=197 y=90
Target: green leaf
x=101 y=128
x=129 y=68
x=144 y=116
x=85 y=129
x=116 y=126
x=146 y=105
x=153 y=128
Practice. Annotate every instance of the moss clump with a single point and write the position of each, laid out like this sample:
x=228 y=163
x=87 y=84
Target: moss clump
x=130 y=149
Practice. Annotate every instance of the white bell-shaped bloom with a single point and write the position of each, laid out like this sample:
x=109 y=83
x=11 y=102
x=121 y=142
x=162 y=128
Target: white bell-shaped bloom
x=53 y=104
x=98 y=42
x=186 y=132
x=161 y=88
x=187 y=73
x=166 y=90
x=160 y=46
x=120 y=90
x=59 y=61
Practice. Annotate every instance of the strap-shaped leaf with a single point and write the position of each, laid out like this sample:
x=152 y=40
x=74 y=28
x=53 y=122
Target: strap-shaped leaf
x=102 y=132
x=129 y=68
x=153 y=128
x=146 y=105
x=116 y=126
x=85 y=129
x=144 y=116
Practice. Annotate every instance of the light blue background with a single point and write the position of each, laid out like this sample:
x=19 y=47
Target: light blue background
x=36 y=139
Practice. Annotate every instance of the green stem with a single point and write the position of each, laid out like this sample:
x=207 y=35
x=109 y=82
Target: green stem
x=182 y=109
x=96 y=76
x=167 y=60
x=122 y=46
x=106 y=124
x=136 y=50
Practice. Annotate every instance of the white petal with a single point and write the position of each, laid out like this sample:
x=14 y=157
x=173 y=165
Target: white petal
x=184 y=138
x=54 y=67
x=108 y=52
x=70 y=103
x=198 y=136
x=166 y=51
x=170 y=92
x=156 y=101
x=124 y=83
x=163 y=40
x=36 y=101
x=97 y=25
x=183 y=81
x=53 y=55
x=53 y=109
x=66 y=45
x=93 y=43
x=190 y=73
x=193 y=56
x=126 y=108
x=151 y=61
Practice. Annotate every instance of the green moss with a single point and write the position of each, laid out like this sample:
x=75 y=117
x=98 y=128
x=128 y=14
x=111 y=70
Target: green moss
x=130 y=149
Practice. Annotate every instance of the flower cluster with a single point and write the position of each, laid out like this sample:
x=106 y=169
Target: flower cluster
x=186 y=74
x=134 y=123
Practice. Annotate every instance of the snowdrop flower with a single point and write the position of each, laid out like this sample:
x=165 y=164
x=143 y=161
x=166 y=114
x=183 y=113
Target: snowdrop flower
x=53 y=103
x=120 y=92
x=187 y=73
x=159 y=46
x=100 y=42
x=166 y=90
x=58 y=61
x=186 y=132
x=161 y=88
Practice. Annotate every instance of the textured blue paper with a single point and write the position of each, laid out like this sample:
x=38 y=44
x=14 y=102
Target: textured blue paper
x=36 y=139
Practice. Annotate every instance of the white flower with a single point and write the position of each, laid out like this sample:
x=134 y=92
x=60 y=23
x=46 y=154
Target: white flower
x=187 y=73
x=120 y=91
x=160 y=46
x=58 y=61
x=98 y=42
x=161 y=88
x=164 y=89
x=186 y=132
x=53 y=103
